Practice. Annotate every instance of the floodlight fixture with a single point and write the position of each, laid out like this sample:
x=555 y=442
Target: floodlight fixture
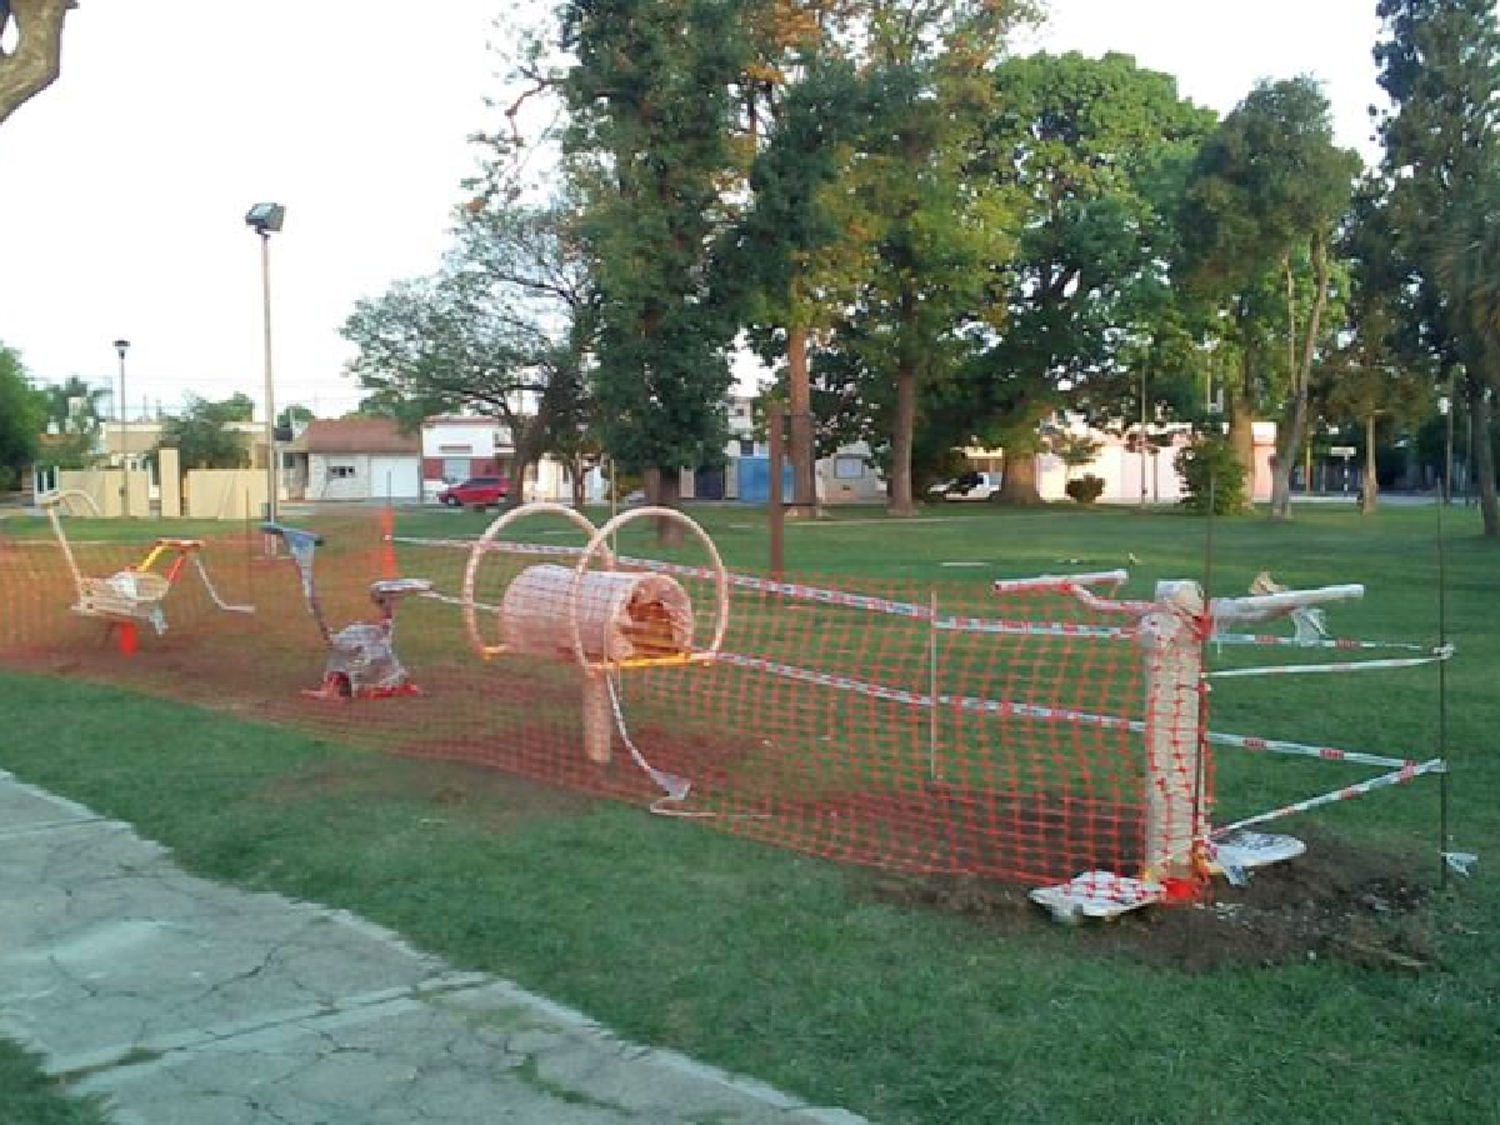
x=265 y=217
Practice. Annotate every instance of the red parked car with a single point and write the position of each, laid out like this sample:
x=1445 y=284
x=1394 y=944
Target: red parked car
x=476 y=492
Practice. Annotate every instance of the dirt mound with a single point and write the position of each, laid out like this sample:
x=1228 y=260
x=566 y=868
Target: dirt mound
x=1338 y=901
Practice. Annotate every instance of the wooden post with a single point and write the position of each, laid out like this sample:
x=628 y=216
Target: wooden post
x=598 y=717
x=1174 y=667
x=775 y=507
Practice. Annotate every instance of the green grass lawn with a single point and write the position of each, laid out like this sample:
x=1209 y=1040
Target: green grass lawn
x=815 y=978
x=28 y=1097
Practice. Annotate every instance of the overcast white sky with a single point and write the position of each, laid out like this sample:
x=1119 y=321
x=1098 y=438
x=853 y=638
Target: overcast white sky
x=123 y=187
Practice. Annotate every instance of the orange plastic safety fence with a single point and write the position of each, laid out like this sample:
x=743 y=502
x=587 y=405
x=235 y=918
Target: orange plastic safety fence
x=896 y=724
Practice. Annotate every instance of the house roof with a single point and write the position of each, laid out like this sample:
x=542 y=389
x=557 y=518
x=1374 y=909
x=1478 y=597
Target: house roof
x=356 y=435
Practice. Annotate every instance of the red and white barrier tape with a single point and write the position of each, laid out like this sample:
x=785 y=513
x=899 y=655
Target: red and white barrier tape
x=1271 y=640
x=1437 y=657
x=1302 y=750
x=1409 y=772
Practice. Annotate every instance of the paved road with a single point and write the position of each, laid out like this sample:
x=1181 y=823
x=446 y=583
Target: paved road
x=186 y=1001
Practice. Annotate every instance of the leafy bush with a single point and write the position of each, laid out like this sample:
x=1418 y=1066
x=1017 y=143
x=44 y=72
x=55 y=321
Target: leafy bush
x=1086 y=489
x=1210 y=469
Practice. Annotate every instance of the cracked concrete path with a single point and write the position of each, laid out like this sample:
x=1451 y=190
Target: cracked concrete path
x=183 y=1000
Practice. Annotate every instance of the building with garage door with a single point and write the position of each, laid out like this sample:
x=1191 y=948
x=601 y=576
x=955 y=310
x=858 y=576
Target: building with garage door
x=354 y=459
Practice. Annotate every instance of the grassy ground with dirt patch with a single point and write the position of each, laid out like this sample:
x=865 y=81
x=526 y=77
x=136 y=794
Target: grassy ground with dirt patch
x=29 y=1097
x=921 y=1000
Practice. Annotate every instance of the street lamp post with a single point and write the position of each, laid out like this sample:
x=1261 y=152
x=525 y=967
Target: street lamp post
x=121 y=347
x=1445 y=408
x=264 y=218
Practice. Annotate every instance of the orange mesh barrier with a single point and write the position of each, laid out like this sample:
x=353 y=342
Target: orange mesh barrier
x=896 y=724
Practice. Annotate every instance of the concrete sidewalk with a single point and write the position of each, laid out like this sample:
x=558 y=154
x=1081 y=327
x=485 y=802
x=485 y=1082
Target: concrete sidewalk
x=183 y=1000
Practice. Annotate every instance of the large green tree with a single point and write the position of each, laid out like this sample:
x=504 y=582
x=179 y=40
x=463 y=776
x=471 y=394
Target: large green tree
x=1467 y=266
x=800 y=98
x=202 y=437
x=652 y=96
x=23 y=414
x=502 y=329
x=1267 y=192
x=1096 y=149
x=1364 y=383
x=928 y=227
x=35 y=60
x=789 y=250
x=1439 y=62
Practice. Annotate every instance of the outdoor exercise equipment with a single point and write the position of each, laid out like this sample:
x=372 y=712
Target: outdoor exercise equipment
x=605 y=620
x=362 y=661
x=1065 y=730
x=1181 y=849
x=137 y=594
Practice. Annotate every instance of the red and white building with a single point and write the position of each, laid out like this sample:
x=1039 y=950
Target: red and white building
x=456 y=447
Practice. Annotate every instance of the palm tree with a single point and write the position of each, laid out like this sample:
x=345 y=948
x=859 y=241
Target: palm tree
x=73 y=407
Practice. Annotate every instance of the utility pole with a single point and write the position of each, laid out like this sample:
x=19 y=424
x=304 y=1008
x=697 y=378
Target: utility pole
x=121 y=347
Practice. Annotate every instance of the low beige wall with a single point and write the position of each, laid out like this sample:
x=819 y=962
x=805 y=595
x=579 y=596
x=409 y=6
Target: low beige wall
x=103 y=486
x=225 y=494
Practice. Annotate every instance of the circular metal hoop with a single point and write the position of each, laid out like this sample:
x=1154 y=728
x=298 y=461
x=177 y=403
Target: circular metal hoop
x=482 y=546
x=598 y=544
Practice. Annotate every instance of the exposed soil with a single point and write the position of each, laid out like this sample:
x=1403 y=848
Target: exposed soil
x=1337 y=901
x=994 y=834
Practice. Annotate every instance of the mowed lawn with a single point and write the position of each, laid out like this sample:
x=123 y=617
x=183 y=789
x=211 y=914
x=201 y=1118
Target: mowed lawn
x=802 y=972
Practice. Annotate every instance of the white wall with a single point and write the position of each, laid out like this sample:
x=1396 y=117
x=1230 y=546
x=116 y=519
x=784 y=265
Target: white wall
x=477 y=437
x=398 y=477
x=338 y=476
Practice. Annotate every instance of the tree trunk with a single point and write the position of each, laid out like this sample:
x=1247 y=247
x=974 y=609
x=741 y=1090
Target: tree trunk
x=1242 y=436
x=1018 y=483
x=1294 y=419
x=902 y=501
x=804 y=462
x=1484 y=457
x=528 y=435
x=1240 y=406
x=576 y=470
x=901 y=441
x=1369 y=494
x=664 y=490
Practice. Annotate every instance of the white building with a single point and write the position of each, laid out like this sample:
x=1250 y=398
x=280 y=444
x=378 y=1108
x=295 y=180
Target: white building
x=354 y=459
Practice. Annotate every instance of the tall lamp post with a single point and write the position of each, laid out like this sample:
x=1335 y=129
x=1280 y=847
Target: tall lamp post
x=121 y=347
x=1445 y=408
x=264 y=218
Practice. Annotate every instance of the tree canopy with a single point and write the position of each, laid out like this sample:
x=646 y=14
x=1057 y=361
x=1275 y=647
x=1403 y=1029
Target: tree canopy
x=201 y=436
x=1439 y=61
x=1093 y=150
x=945 y=244
x=651 y=95
x=23 y=413
x=35 y=61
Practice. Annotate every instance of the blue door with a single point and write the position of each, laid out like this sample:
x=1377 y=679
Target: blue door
x=755 y=480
